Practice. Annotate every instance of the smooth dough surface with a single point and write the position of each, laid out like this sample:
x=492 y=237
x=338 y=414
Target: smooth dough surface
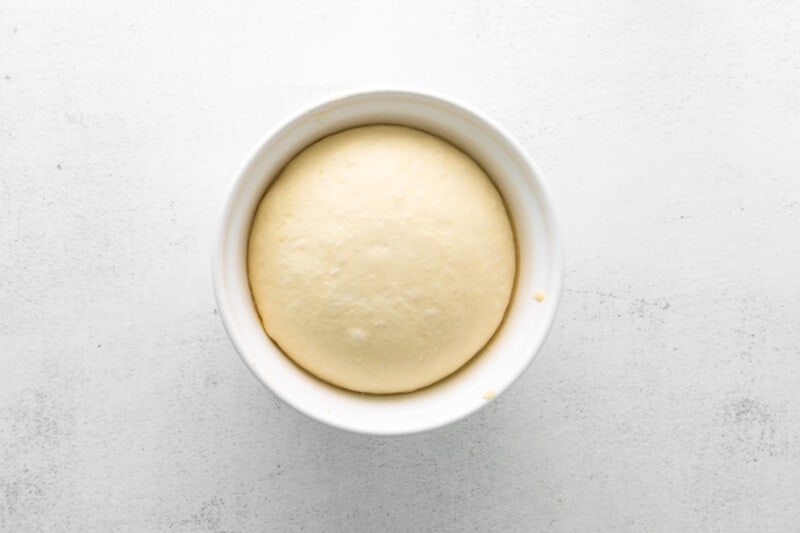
x=381 y=259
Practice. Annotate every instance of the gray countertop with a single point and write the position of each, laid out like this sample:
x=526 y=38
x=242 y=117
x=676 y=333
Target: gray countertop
x=666 y=398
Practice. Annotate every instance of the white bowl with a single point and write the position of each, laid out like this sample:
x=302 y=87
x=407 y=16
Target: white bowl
x=540 y=253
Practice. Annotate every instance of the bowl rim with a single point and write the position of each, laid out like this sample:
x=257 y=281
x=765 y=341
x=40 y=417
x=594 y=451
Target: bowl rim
x=229 y=204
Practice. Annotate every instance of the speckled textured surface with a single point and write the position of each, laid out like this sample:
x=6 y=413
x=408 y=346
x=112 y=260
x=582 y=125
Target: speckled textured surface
x=665 y=399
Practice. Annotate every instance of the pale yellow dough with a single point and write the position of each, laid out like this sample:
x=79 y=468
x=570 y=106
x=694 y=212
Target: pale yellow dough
x=381 y=259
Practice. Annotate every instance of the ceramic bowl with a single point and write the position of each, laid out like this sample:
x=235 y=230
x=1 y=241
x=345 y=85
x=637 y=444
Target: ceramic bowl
x=527 y=323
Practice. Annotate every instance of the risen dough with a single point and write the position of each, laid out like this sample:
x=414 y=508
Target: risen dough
x=381 y=259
